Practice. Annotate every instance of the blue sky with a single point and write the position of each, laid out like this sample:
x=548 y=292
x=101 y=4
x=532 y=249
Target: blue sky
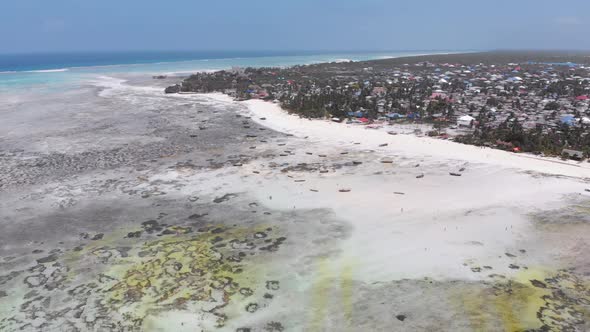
x=108 y=25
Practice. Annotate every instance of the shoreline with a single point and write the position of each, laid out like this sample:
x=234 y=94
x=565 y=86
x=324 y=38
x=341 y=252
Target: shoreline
x=75 y=68
x=281 y=120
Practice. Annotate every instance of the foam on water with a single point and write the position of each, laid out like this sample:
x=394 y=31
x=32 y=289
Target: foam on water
x=47 y=70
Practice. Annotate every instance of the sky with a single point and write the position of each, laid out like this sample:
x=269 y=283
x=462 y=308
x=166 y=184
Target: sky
x=30 y=26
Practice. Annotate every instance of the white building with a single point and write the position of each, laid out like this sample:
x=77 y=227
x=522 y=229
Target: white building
x=465 y=121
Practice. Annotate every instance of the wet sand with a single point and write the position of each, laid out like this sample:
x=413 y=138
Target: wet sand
x=125 y=209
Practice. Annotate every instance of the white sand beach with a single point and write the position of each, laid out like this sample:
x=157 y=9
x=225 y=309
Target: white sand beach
x=433 y=225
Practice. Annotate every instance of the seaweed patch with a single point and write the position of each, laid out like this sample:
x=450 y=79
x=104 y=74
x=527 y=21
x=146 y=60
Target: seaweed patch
x=533 y=301
x=108 y=286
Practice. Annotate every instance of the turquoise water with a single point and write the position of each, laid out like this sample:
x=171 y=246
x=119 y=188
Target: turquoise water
x=56 y=72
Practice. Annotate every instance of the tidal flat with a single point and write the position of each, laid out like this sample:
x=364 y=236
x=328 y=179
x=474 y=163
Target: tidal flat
x=125 y=209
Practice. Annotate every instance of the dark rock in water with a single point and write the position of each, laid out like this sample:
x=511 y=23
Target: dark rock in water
x=217 y=230
x=272 y=285
x=246 y=291
x=384 y=144
x=37 y=251
x=35 y=280
x=97 y=237
x=224 y=198
x=538 y=284
x=243 y=329
x=420 y=176
x=48 y=259
x=151 y=226
x=274 y=327
x=401 y=317
x=588 y=190
x=252 y=307
x=173 y=89
x=260 y=235
x=268 y=296
x=462 y=169
x=216 y=239
x=514 y=267
x=134 y=234
x=197 y=216
x=509 y=255
x=3 y=294
x=455 y=174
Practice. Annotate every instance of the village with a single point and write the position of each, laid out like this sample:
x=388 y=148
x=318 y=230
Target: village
x=541 y=107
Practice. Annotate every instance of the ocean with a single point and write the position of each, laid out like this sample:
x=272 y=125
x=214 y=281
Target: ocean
x=56 y=72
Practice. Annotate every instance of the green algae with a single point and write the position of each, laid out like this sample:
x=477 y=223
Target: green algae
x=535 y=300
x=116 y=282
x=320 y=295
x=332 y=281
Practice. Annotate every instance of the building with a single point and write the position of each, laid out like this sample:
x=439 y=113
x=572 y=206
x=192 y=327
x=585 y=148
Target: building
x=465 y=121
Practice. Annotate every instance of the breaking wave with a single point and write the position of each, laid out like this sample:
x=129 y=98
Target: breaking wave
x=48 y=70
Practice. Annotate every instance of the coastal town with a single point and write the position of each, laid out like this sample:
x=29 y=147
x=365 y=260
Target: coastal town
x=510 y=101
